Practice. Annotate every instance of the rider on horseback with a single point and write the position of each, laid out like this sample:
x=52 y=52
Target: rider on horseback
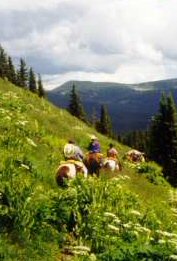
x=94 y=145
x=112 y=152
x=74 y=154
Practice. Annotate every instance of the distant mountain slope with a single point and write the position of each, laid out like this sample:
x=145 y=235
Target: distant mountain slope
x=131 y=105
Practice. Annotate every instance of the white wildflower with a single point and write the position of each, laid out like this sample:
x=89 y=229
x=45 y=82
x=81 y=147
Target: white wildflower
x=109 y=214
x=173 y=257
x=127 y=225
x=117 y=221
x=24 y=166
x=114 y=228
x=79 y=253
x=31 y=142
x=23 y=123
x=174 y=210
x=83 y=248
x=8 y=118
x=135 y=212
x=161 y=241
x=143 y=229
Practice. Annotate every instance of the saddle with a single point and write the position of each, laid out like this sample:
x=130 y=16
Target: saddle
x=78 y=164
x=95 y=156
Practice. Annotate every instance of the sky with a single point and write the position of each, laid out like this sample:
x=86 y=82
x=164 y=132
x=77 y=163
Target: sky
x=125 y=41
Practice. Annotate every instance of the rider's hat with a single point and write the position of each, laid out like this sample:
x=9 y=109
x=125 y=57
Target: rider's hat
x=93 y=137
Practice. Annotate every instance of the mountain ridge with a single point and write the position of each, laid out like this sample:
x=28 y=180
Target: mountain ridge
x=131 y=106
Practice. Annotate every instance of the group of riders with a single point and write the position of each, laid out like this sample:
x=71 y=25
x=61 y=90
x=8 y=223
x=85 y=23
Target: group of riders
x=73 y=153
x=90 y=163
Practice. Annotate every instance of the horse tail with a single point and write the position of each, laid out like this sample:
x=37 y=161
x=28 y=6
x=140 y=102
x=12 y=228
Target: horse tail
x=62 y=175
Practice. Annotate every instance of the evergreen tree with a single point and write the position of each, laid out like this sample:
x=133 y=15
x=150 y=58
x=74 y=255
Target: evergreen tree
x=163 y=138
x=75 y=105
x=22 y=75
x=105 y=126
x=11 y=75
x=41 y=91
x=32 y=81
x=3 y=63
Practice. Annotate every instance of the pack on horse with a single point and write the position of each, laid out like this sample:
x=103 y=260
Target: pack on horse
x=69 y=170
x=135 y=156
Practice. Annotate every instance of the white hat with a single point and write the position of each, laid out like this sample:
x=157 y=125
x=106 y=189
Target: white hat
x=93 y=137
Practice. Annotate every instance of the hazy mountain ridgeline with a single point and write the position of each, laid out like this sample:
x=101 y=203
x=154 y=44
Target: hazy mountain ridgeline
x=131 y=106
x=131 y=216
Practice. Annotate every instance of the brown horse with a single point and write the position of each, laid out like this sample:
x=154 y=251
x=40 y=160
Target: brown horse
x=93 y=162
x=69 y=170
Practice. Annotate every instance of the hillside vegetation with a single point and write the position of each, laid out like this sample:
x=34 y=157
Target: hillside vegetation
x=129 y=216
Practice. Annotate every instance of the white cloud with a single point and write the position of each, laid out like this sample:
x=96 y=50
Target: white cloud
x=100 y=40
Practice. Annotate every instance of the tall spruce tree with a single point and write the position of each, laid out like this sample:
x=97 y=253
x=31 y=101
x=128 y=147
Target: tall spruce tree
x=75 y=105
x=105 y=125
x=3 y=63
x=22 y=75
x=11 y=75
x=163 y=138
x=41 y=91
x=32 y=81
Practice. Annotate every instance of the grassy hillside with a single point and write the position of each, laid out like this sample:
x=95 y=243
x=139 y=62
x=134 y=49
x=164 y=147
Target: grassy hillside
x=131 y=216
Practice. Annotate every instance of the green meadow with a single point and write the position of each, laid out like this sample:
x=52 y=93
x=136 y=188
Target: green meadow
x=126 y=216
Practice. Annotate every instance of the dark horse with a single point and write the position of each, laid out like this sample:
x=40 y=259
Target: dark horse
x=93 y=162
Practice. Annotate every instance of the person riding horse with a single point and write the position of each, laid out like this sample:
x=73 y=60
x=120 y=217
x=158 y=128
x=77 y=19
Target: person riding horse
x=112 y=161
x=73 y=163
x=94 y=157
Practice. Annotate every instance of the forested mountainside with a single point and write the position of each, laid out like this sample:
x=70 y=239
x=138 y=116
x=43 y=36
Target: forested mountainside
x=131 y=106
x=129 y=215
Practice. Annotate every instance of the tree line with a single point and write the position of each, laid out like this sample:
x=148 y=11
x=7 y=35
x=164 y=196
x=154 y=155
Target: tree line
x=23 y=76
x=102 y=124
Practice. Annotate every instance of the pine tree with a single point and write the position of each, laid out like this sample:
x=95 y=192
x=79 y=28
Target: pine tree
x=75 y=105
x=22 y=75
x=105 y=126
x=3 y=63
x=163 y=138
x=32 y=81
x=41 y=91
x=11 y=75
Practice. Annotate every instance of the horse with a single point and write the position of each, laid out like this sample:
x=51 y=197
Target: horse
x=69 y=170
x=93 y=162
x=112 y=164
x=135 y=156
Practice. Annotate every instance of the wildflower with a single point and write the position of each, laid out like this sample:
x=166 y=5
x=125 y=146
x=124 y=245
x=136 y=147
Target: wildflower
x=135 y=212
x=31 y=142
x=118 y=221
x=109 y=214
x=114 y=228
x=127 y=225
x=161 y=241
x=24 y=166
x=173 y=257
x=23 y=123
x=8 y=118
x=83 y=248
